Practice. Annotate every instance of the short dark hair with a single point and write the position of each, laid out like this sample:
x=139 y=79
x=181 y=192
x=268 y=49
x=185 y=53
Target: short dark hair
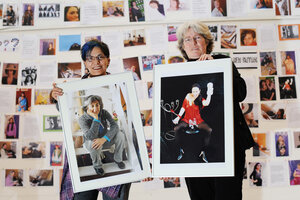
x=66 y=11
x=245 y=32
x=90 y=45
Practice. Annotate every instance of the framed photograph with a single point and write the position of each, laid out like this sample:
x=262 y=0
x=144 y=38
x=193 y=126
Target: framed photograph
x=52 y=123
x=103 y=109
x=289 y=32
x=41 y=177
x=187 y=142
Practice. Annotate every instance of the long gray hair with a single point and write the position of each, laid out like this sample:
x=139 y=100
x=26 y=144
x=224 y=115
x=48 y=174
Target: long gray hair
x=90 y=99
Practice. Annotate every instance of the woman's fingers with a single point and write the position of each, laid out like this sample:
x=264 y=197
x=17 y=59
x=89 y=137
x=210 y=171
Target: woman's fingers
x=205 y=57
x=56 y=91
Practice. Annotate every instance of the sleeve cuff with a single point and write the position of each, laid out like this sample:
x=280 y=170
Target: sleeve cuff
x=96 y=120
x=106 y=138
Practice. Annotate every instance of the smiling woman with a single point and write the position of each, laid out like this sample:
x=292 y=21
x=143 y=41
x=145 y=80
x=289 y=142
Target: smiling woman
x=72 y=13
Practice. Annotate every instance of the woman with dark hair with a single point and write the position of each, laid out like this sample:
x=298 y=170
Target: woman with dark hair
x=248 y=37
x=22 y=102
x=95 y=55
x=10 y=71
x=255 y=176
x=260 y=4
x=11 y=129
x=191 y=106
x=28 y=80
x=136 y=13
x=72 y=14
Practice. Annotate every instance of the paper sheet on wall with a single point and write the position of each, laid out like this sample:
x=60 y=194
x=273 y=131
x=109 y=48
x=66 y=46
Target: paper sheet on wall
x=267 y=36
x=245 y=60
x=114 y=42
x=251 y=89
x=30 y=127
x=237 y=8
x=7 y=100
x=47 y=73
x=115 y=66
x=29 y=46
x=158 y=40
x=278 y=173
x=201 y=8
x=293 y=113
x=90 y=13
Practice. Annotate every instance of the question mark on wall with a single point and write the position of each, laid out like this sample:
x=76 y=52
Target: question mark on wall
x=15 y=42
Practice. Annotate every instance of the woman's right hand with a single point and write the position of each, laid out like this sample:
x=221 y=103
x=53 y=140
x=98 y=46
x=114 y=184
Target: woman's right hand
x=56 y=91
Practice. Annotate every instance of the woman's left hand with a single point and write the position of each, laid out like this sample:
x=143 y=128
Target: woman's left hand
x=98 y=143
x=205 y=57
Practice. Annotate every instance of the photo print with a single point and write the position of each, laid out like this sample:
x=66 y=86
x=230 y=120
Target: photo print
x=1 y=11
x=218 y=8
x=150 y=89
x=176 y=5
x=297 y=139
x=261 y=4
x=294 y=166
x=172 y=33
x=11 y=126
x=248 y=37
x=244 y=60
x=288 y=62
x=52 y=123
x=99 y=103
x=136 y=10
x=297 y=3
x=262 y=146
x=49 y=11
x=56 y=153
x=149 y=61
x=8 y=149
x=267 y=88
x=155 y=10
x=172 y=183
x=28 y=14
x=14 y=177
x=287 y=87
x=69 y=42
x=257 y=174
x=146 y=116
x=189 y=117
x=149 y=148
x=23 y=99
x=228 y=36
x=175 y=59
x=33 y=149
x=289 y=32
x=28 y=74
x=47 y=47
x=134 y=38
x=282 y=7
x=281 y=143
x=268 y=63
x=41 y=177
x=41 y=97
x=132 y=64
x=113 y=8
x=10 y=73
x=214 y=31
x=10 y=15
x=92 y=37
x=69 y=70
x=72 y=13
x=273 y=111
x=250 y=112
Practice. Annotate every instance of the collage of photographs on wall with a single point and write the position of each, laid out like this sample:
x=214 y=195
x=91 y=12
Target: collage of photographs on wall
x=27 y=80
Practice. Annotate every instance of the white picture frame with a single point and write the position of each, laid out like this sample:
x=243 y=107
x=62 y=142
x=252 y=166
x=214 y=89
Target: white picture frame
x=176 y=78
x=111 y=88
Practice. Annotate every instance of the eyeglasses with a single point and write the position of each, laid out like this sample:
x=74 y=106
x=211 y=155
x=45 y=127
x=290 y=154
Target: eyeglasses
x=97 y=58
x=190 y=40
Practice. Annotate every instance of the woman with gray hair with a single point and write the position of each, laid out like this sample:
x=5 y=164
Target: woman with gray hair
x=94 y=124
x=196 y=43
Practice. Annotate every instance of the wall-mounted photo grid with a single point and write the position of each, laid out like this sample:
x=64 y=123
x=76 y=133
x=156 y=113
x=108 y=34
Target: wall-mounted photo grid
x=40 y=44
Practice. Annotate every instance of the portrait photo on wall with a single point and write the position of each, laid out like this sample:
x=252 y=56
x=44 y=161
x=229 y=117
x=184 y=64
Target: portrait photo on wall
x=288 y=62
x=146 y=116
x=218 y=8
x=289 y=32
x=214 y=31
x=52 y=123
x=267 y=88
x=281 y=143
x=261 y=4
x=134 y=37
x=69 y=42
x=72 y=14
x=1 y=11
x=268 y=63
x=262 y=147
x=132 y=65
x=294 y=166
x=155 y=10
x=49 y=11
x=172 y=33
x=149 y=61
x=47 y=47
x=10 y=73
x=104 y=136
x=11 y=126
x=56 y=153
x=14 y=177
x=41 y=97
x=23 y=99
x=69 y=70
x=113 y=8
x=273 y=111
x=282 y=7
x=257 y=174
x=287 y=87
x=136 y=10
x=296 y=139
x=250 y=112
x=177 y=5
x=248 y=37
x=28 y=14
x=228 y=36
x=28 y=74
x=10 y=15
x=189 y=119
x=8 y=149
x=42 y=177
x=33 y=149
